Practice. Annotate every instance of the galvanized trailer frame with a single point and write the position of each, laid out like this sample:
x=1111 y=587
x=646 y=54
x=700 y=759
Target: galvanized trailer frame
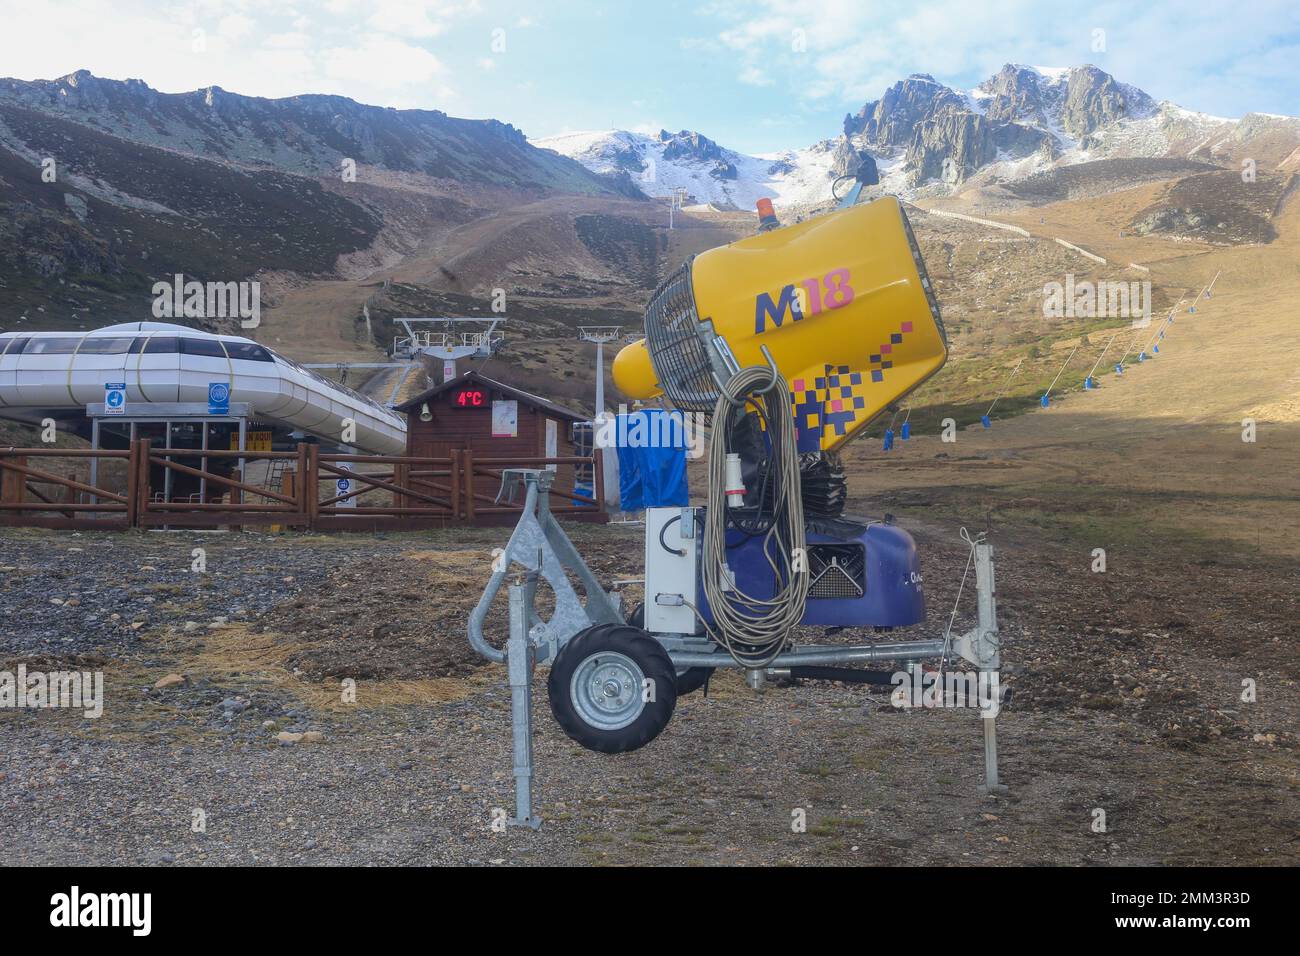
x=542 y=551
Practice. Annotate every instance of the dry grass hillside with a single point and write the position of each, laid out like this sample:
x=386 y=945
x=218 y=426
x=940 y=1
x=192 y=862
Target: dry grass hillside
x=1160 y=447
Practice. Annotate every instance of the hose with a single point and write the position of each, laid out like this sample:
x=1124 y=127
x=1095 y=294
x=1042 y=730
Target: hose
x=755 y=630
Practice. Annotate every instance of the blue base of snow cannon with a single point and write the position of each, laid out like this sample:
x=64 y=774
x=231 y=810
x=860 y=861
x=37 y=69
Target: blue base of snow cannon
x=880 y=560
x=907 y=431
x=1088 y=383
x=1045 y=401
x=889 y=439
x=984 y=420
x=1119 y=369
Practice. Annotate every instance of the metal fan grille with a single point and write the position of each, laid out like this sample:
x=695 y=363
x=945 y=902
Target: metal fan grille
x=837 y=570
x=676 y=348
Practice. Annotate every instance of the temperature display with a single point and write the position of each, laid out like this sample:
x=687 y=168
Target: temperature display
x=470 y=398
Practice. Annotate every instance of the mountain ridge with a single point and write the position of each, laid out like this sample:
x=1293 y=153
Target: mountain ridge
x=928 y=138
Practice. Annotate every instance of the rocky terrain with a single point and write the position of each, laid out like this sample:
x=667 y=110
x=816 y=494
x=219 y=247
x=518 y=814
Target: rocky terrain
x=1218 y=207
x=927 y=138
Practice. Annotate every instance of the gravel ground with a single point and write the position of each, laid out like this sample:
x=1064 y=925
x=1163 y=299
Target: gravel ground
x=1124 y=699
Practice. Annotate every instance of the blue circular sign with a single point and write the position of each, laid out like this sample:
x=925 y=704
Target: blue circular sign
x=114 y=399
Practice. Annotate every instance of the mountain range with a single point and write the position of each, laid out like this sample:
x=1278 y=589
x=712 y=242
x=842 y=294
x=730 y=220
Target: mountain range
x=352 y=214
x=925 y=138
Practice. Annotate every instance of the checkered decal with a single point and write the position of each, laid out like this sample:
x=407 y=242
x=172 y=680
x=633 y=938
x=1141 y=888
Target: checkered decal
x=836 y=397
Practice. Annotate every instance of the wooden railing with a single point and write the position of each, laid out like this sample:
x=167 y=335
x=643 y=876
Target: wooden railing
x=395 y=492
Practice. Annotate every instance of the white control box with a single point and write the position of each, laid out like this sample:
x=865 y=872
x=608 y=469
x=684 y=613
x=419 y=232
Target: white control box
x=672 y=550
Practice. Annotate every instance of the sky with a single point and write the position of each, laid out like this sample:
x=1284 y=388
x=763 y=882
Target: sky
x=755 y=75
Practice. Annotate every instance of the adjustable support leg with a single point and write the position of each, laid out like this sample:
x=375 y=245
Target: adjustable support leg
x=988 y=651
x=520 y=657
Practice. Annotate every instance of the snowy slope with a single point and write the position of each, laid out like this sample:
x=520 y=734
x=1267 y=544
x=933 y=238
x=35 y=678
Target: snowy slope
x=709 y=174
x=1021 y=121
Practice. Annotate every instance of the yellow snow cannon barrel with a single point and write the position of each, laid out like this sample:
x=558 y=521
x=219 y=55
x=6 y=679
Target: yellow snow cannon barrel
x=634 y=373
x=841 y=301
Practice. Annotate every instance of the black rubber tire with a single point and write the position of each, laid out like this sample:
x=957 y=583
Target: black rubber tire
x=648 y=654
x=689 y=680
x=692 y=679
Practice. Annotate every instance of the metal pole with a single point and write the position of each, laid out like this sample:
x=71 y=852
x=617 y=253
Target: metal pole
x=991 y=783
x=1060 y=373
x=519 y=663
x=988 y=652
x=238 y=495
x=998 y=397
x=203 y=482
x=1103 y=354
x=600 y=379
x=94 y=462
x=167 y=478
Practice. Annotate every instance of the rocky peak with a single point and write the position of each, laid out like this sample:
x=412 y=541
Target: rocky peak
x=890 y=120
x=1016 y=93
x=848 y=160
x=1093 y=99
x=690 y=145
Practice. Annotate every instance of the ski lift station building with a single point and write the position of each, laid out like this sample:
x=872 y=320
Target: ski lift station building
x=169 y=374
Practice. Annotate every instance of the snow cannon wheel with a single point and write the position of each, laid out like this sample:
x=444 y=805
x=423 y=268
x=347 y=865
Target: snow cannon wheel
x=689 y=680
x=599 y=692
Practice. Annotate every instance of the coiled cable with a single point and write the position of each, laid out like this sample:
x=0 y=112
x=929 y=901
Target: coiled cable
x=755 y=630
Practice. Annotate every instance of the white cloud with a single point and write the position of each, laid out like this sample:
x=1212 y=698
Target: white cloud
x=235 y=26
x=269 y=48
x=378 y=55
x=1192 y=53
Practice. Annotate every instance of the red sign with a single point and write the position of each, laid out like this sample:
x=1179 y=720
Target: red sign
x=470 y=398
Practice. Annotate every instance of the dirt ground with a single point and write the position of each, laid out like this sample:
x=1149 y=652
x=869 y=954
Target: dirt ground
x=1125 y=697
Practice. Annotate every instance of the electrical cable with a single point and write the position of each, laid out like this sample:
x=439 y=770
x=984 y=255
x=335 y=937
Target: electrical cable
x=755 y=630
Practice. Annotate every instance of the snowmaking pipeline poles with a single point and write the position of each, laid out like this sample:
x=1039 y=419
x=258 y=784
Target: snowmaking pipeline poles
x=1088 y=382
x=984 y=419
x=889 y=432
x=1154 y=344
x=1205 y=293
x=1046 y=400
x=1139 y=337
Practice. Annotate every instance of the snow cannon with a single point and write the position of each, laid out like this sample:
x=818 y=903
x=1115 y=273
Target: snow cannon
x=790 y=342
x=840 y=305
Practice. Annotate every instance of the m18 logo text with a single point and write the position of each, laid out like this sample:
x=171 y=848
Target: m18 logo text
x=803 y=299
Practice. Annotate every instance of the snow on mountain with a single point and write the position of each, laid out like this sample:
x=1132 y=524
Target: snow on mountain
x=926 y=138
x=659 y=165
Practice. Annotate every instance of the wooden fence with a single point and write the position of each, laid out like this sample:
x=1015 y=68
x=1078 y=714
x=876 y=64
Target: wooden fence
x=310 y=490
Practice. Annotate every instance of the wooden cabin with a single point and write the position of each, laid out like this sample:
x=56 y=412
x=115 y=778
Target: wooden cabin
x=487 y=421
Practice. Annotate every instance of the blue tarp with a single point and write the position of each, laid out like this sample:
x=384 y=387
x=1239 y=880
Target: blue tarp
x=652 y=459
